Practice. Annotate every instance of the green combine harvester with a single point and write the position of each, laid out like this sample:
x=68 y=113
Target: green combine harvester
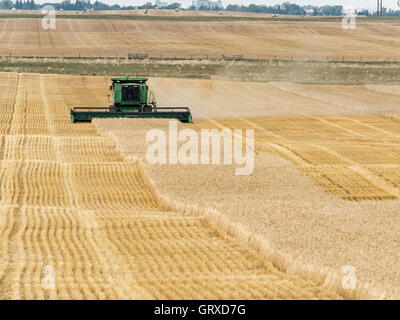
x=132 y=99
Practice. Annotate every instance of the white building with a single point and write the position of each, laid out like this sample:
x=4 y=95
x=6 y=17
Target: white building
x=309 y=12
x=207 y=4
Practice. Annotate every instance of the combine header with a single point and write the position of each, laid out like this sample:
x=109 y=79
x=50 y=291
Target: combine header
x=132 y=99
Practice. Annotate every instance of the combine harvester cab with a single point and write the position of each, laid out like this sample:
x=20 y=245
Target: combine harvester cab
x=132 y=99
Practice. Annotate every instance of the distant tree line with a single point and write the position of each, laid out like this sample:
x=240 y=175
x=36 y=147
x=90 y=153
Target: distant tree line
x=284 y=8
x=390 y=12
x=289 y=8
x=78 y=5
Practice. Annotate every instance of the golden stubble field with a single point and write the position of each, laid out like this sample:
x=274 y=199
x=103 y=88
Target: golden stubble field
x=70 y=203
x=111 y=228
x=325 y=189
x=265 y=39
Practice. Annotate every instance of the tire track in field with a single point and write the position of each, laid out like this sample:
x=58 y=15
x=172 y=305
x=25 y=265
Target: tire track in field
x=114 y=32
x=38 y=38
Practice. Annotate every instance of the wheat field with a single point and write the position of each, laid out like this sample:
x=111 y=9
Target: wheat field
x=325 y=189
x=312 y=218
x=71 y=202
x=302 y=40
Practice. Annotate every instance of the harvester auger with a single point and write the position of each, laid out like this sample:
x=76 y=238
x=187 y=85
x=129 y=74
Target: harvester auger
x=132 y=99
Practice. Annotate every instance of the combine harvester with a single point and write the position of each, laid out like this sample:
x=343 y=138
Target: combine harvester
x=132 y=99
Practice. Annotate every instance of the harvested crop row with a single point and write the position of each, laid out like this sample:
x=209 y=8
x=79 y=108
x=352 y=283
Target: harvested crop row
x=29 y=147
x=96 y=149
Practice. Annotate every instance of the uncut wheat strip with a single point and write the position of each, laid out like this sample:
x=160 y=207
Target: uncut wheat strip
x=213 y=216
x=216 y=215
x=346 y=209
x=283 y=261
x=288 y=265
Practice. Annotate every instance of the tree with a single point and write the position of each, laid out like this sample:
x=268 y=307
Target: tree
x=292 y=8
x=363 y=13
x=232 y=7
x=6 y=4
x=173 y=6
x=147 y=5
